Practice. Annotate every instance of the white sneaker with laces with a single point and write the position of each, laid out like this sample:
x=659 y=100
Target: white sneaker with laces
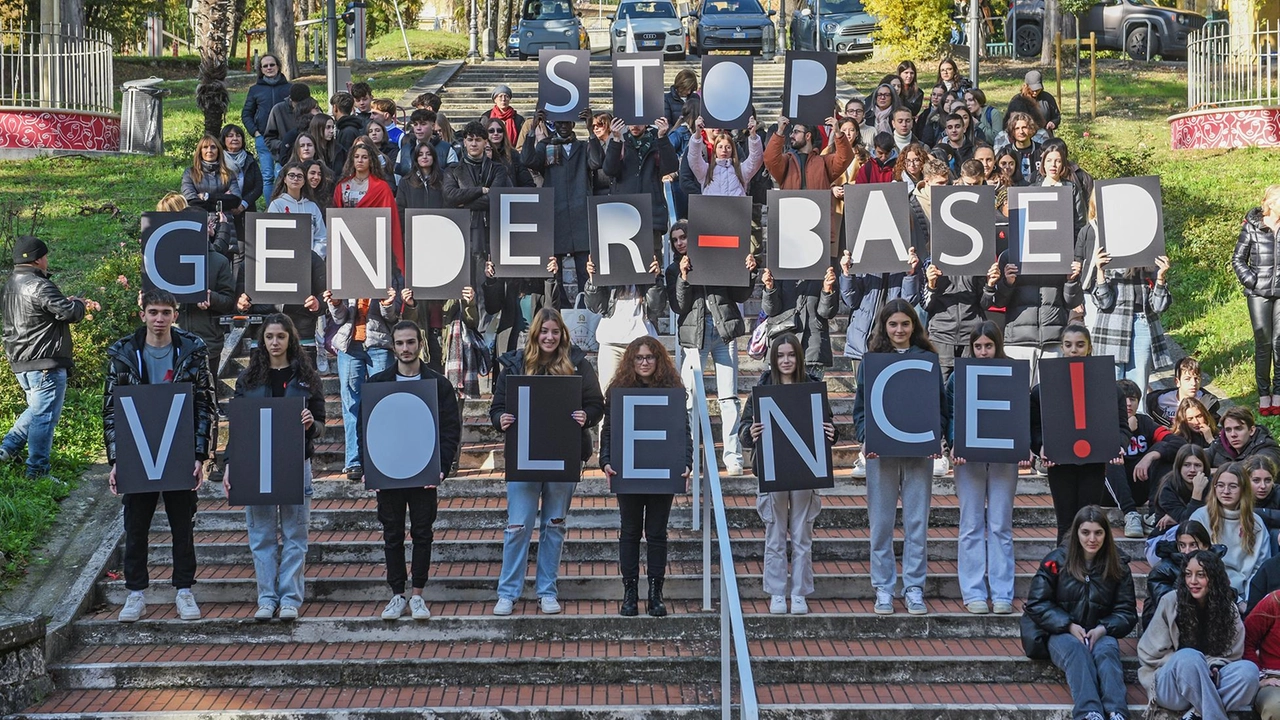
x=288 y=612
x=265 y=613
x=418 y=608
x=860 y=468
x=941 y=467
x=550 y=606
x=395 y=608
x=778 y=605
x=504 y=606
x=884 y=602
x=733 y=469
x=798 y=605
x=187 y=608
x=1133 y=525
x=135 y=606
x=914 y=597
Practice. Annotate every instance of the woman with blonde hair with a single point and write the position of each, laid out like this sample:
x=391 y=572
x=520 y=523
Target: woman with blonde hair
x=1229 y=516
x=209 y=177
x=547 y=351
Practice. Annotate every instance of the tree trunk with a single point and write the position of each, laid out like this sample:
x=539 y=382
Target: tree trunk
x=280 y=38
x=237 y=22
x=1051 y=27
x=213 y=26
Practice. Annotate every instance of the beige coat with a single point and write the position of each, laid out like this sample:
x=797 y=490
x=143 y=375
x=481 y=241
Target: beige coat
x=1160 y=641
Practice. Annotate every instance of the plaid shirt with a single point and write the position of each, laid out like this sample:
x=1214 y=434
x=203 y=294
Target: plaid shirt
x=1116 y=303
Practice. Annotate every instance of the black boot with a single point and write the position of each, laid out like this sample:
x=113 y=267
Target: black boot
x=656 y=607
x=630 y=598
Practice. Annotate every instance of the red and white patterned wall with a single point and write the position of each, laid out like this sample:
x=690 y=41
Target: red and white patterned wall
x=1252 y=126
x=58 y=130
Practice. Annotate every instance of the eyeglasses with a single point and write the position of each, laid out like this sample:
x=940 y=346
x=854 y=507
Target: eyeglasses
x=645 y=359
x=294 y=176
x=883 y=94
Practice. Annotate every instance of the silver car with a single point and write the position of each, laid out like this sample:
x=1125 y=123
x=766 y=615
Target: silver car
x=549 y=25
x=654 y=24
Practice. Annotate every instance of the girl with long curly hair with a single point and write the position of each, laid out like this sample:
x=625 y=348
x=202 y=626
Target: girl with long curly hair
x=645 y=364
x=546 y=352
x=278 y=368
x=1228 y=513
x=1191 y=652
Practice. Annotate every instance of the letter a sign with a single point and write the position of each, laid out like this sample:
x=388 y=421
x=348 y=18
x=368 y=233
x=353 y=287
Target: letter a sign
x=155 y=438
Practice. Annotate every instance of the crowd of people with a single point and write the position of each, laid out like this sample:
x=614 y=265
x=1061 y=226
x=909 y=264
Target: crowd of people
x=1194 y=478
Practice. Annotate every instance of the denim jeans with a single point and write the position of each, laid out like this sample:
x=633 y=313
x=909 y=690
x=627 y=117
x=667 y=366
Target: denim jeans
x=279 y=565
x=354 y=367
x=267 y=164
x=1094 y=674
x=889 y=478
x=985 y=550
x=725 y=357
x=1138 y=365
x=522 y=511
x=1184 y=683
x=45 y=391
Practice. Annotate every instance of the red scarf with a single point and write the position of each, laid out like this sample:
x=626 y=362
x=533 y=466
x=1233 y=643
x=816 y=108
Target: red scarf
x=379 y=195
x=508 y=118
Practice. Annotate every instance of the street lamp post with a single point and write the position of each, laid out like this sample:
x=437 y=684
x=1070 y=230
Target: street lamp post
x=473 y=33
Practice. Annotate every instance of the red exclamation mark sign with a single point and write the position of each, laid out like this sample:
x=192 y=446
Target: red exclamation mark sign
x=1081 y=447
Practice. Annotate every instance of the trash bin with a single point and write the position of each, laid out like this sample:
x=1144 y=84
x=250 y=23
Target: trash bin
x=142 y=117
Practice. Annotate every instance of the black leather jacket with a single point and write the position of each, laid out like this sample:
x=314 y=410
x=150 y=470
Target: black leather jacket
x=37 y=321
x=124 y=367
x=1057 y=599
x=1255 y=259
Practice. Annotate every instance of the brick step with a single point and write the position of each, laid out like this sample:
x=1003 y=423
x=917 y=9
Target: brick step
x=577 y=580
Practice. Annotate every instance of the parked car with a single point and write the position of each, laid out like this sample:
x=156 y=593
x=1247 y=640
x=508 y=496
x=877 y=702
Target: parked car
x=655 y=24
x=729 y=25
x=1128 y=25
x=838 y=26
x=549 y=24
x=513 y=42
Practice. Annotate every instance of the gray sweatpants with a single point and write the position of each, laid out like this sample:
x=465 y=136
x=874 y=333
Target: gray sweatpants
x=788 y=514
x=1184 y=683
x=890 y=478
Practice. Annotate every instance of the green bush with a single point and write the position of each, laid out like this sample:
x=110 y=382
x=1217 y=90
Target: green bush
x=911 y=29
x=115 y=286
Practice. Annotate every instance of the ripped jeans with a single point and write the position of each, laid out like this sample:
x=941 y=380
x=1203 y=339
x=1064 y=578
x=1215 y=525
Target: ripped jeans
x=522 y=511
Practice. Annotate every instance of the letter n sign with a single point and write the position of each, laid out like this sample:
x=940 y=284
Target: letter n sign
x=155 y=438
x=266 y=451
x=795 y=454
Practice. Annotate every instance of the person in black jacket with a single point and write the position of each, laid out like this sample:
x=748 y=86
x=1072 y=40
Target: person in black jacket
x=547 y=352
x=954 y=306
x=419 y=503
x=348 y=126
x=645 y=364
x=637 y=158
x=507 y=300
x=1254 y=261
x=1192 y=423
x=1261 y=470
x=1184 y=490
x=271 y=89
x=1239 y=437
x=37 y=343
x=683 y=88
x=1163 y=578
x=158 y=353
x=278 y=368
x=423 y=185
x=467 y=185
x=1080 y=604
x=282 y=123
x=1126 y=488
x=813 y=304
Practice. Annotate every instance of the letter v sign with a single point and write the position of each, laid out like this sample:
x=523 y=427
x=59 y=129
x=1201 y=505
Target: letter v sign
x=153 y=464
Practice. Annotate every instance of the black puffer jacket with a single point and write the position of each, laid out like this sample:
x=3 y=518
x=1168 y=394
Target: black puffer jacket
x=634 y=175
x=1255 y=259
x=512 y=363
x=191 y=365
x=748 y=418
x=1163 y=578
x=464 y=185
x=601 y=299
x=37 y=321
x=815 y=309
x=1037 y=307
x=264 y=95
x=954 y=308
x=693 y=302
x=312 y=395
x=1220 y=452
x=1057 y=599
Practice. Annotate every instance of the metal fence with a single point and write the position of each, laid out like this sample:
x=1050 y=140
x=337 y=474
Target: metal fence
x=56 y=67
x=1227 y=66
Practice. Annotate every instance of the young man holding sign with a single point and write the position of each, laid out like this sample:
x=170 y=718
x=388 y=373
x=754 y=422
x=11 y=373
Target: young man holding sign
x=160 y=353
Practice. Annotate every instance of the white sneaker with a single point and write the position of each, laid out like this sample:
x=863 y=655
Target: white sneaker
x=941 y=467
x=1133 y=525
x=778 y=605
x=550 y=606
x=322 y=362
x=884 y=602
x=288 y=612
x=134 y=608
x=5 y=456
x=914 y=597
x=860 y=468
x=395 y=608
x=187 y=608
x=733 y=469
x=799 y=606
x=265 y=613
x=504 y=606
x=418 y=608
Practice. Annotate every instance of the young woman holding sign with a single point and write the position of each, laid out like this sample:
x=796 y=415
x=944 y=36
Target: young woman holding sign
x=547 y=352
x=897 y=330
x=1081 y=602
x=786 y=514
x=1228 y=513
x=986 y=492
x=279 y=368
x=645 y=364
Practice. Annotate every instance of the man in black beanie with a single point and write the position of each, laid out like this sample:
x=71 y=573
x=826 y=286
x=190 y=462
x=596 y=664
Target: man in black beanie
x=37 y=341
x=282 y=121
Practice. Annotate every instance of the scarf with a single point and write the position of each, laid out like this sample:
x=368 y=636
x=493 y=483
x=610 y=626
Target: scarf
x=211 y=168
x=238 y=160
x=508 y=118
x=642 y=145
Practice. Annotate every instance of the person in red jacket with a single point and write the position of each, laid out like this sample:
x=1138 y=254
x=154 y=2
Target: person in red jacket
x=880 y=168
x=1262 y=648
x=363 y=184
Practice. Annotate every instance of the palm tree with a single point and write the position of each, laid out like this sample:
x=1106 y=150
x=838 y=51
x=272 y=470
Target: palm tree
x=213 y=29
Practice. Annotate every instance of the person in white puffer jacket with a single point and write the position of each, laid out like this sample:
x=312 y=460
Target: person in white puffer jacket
x=727 y=177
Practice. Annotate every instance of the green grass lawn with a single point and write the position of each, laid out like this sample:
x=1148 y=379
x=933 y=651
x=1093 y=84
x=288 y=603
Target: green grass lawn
x=425 y=44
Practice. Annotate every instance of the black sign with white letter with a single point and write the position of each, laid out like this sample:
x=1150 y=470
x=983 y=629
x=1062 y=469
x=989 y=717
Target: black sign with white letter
x=1130 y=220
x=903 y=409
x=637 y=87
x=809 y=87
x=400 y=434
x=155 y=438
x=175 y=254
x=564 y=83
x=992 y=410
x=521 y=231
x=277 y=257
x=877 y=227
x=267 y=448
x=794 y=452
x=1042 y=234
x=545 y=442
x=1079 y=410
x=726 y=91
x=649 y=440
x=622 y=239
x=963 y=231
x=437 y=253
x=799 y=242
x=719 y=240
x=359 y=254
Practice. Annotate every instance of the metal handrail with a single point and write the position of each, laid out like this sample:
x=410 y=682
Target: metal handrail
x=1229 y=66
x=56 y=67
x=733 y=631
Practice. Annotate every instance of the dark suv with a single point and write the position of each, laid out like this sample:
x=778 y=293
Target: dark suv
x=1120 y=25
